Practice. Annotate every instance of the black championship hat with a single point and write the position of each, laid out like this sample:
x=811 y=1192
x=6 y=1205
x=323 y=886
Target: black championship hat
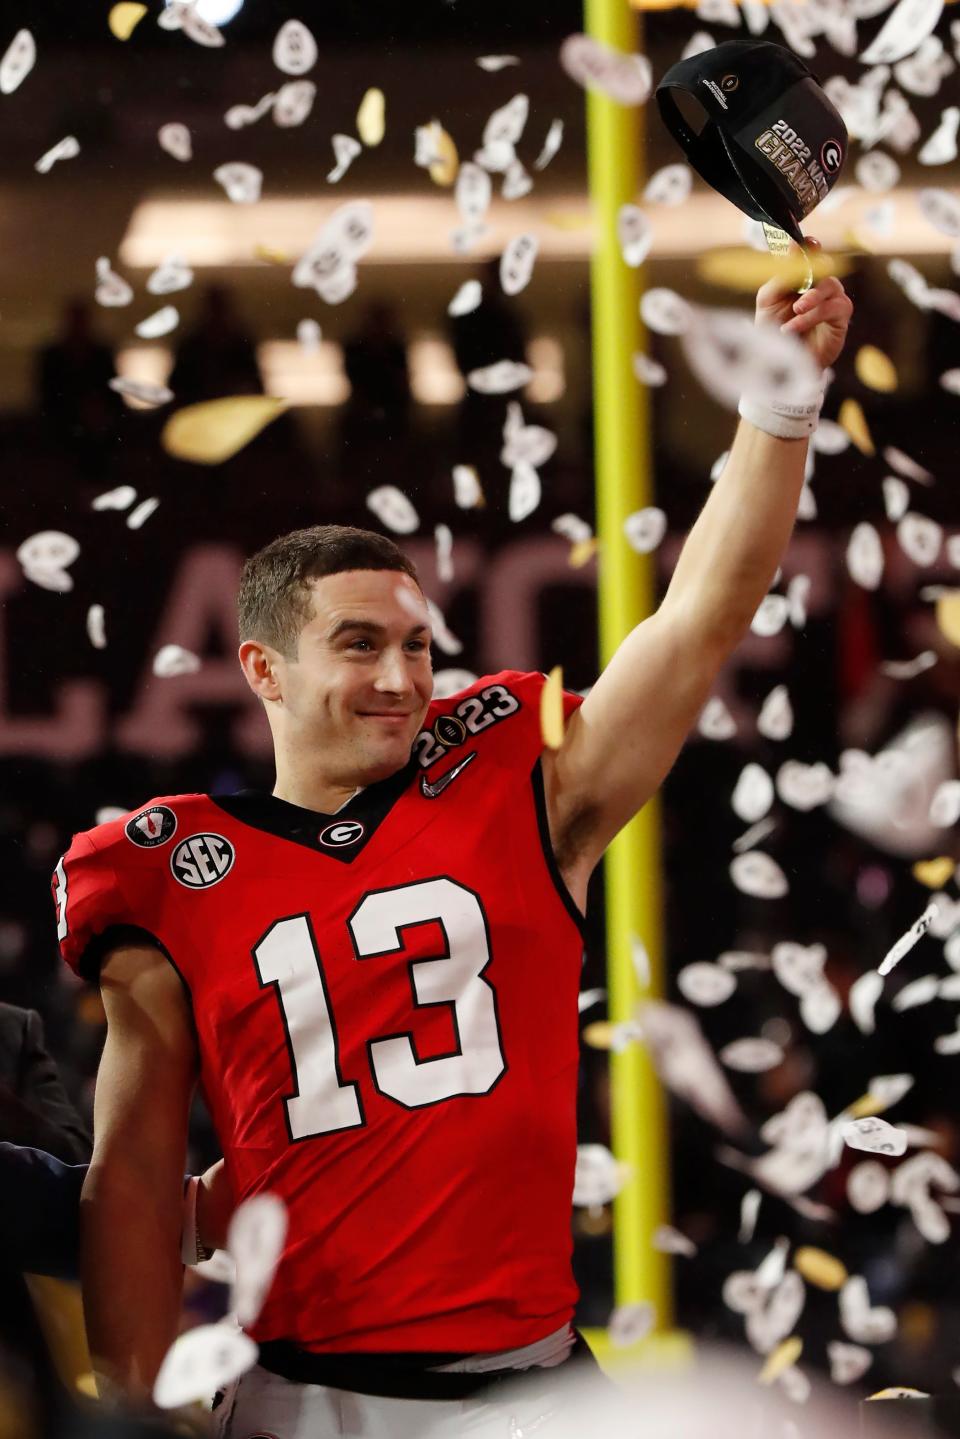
x=772 y=142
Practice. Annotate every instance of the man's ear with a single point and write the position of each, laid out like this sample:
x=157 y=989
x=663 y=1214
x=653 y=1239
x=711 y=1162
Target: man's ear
x=260 y=664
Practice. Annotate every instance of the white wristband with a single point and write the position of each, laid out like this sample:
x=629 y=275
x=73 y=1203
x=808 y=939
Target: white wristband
x=783 y=421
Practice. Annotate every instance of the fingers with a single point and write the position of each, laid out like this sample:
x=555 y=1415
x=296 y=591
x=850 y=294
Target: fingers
x=834 y=311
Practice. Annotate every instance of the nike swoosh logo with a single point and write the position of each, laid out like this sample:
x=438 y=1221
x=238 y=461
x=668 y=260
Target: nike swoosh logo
x=433 y=791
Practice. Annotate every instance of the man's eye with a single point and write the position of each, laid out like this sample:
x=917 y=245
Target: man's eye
x=354 y=644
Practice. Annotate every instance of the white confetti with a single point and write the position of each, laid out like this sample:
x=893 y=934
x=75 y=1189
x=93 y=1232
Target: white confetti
x=749 y=1213
x=200 y=31
x=551 y=145
x=941 y=209
x=572 y=527
x=500 y=378
x=759 y=875
x=118 y=499
x=909 y=669
x=96 y=627
x=238 y=117
x=772 y=615
x=443 y=541
x=176 y=141
x=868 y=1186
x=516 y=263
x=798 y=967
x=918 y=991
x=293 y=103
x=874 y=1135
x=241 y=182
x=753 y=793
x=45 y=556
x=669 y=186
x=309 y=335
x=629 y=1323
x=145 y=392
x=755 y=835
x=294 y=48
x=731 y=356
x=172 y=274
x=804 y=786
x=393 y=509
x=161 y=322
x=716 y=722
x=112 y=290
x=668 y=1240
x=860 y=1322
x=920 y=538
x=907 y=941
x=775 y=720
x=941 y=147
x=255 y=1239
x=865 y=556
x=467 y=493
x=665 y=312
x=173 y=660
x=525 y=492
x=19 y=59
x=467 y=298
x=493 y=63
x=945 y=805
x=635 y=235
x=525 y=444
x=200 y=1362
x=345 y=151
x=908 y=25
x=705 y=985
x=451 y=682
x=877 y=172
x=645 y=529
x=66 y=149
x=598 y=1177
x=627 y=79
x=752 y=1056
x=138 y=517
x=896 y=498
x=862 y=999
x=648 y=372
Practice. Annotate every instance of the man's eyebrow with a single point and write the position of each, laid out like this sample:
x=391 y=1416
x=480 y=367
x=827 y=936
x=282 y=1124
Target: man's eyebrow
x=371 y=627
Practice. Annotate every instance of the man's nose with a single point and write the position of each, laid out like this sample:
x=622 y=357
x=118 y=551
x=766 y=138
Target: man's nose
x=393 y=673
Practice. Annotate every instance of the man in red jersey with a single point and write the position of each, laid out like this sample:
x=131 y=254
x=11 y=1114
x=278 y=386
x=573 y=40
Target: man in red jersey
x=373 y=971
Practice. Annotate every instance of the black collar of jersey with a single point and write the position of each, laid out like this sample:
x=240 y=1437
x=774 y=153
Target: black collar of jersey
x=346 y=833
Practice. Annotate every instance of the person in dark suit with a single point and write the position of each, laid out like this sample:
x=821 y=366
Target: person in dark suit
x=44 y=1150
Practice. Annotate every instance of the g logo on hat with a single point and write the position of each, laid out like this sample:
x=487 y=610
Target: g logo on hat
x=345 y=831
x=831 y=156
x=202 y=860
x=729 y=83
x=151 y=827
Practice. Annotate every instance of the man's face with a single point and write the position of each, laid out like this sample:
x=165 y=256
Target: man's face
x=360 y=685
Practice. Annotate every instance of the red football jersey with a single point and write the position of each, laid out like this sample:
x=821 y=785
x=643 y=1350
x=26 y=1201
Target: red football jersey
x=386 y=1007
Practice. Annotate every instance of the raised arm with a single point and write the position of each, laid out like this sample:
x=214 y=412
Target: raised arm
x=622 y=742
x=131 y=1204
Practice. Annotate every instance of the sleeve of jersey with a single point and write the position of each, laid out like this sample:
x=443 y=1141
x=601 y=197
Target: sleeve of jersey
x=528 y=687
x=93 y=915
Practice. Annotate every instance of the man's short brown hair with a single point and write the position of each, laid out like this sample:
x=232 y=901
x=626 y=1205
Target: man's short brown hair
x=275 y=601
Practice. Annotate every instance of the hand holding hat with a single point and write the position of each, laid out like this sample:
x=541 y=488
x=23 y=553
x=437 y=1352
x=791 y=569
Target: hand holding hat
x=820 y=316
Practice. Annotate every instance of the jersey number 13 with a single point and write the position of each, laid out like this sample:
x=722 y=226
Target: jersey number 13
x=287 y=958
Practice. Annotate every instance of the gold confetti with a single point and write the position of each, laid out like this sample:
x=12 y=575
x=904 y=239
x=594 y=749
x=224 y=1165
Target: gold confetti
x=270 y=256
x=124 y=18
x=745 y=270
x=819 y=1268
x=948 y=616
x=875 y=370
x=899 y=1391
x=213 y=431
x=598 y=1035
x=780 y=1360
x=371 y=124
x=582 y=553
x=87 y=1384
x=444 y=169
x=854 y=421
x=866 y=1105
x=934 y=873
x=551 y=709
